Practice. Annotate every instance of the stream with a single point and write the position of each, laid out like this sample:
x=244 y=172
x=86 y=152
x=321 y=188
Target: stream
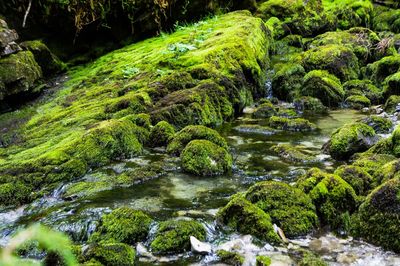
x=176 y=194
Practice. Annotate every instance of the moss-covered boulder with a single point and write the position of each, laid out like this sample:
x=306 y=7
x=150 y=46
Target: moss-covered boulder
x=371 y=163
x=243 y=216
x=291 y=124
x=262 y=260
x=310 y=105
x=265 y=110
x=377 y=220
x=391 y=103
x=349 y=139
x=358 y=178
x=204 y=158
x=363 y=88
x=309 y=258
x=189 y=133
x=357 y=102
x=124 y=225
x=338 y=60
x=387 y=20
x=381 y=69
x=287 y=80
x=19 y=73
x=396 y=142
x=161 y=134
x=387 y=171
x=324 y=86
x=392 y=85
x=295 y=154
x=112 y=254
x=173 y=236
x=333 y=197
x=230 y=258
x=290 y=208
x=378 y=123
x=49 y=62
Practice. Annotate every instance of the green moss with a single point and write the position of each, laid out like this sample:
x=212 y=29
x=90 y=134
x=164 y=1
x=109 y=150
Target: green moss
x=111 y=254
x=387 y=171
x=378 y=216
x=338 y=60
x=396 y=141
x=161 y=134
x=290 y=208
x=14 y=193
x=387 y=21
x=173 y=236
x=189 y=133
x=333 y=197
x=296 y=154
x=202 y=157
x=324 y=86
x=357 y=102
x=364 y=88
x=310 y=179
x=380 y=70
x=123 y=225
x=291 y=124
x=48 y=62
x=349 y=139
x=358 y=178
x=287 y=80
x=265 y=110
x=310 y=259
x=231 y=258
x=391 y=103
x=392 y=84
x=263 y=261
x=310 y=105
x=141 y=174
x=18 y=73
x=371 y=163
x=378 y=123
x=86 y=189
x=243 y=216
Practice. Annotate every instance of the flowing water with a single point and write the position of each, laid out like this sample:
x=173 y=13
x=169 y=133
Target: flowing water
x=176 y=194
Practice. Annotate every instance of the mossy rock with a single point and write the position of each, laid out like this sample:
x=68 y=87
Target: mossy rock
x=387 y=172
x=265 y=110
x=243 y=216
x=18 y=73
x=363 y=88
x=173 y=236
x=334 y=198
x=189 y=133
x=310 y=179
x=378 y=123
x=287 y=80
x=371 y=163
x=140 y=174
x=86 y=189
x=161 y=134
x=391 y=103
x=15 y=193
x=310 y=105
x=204 y=158
x=290 y=208
x=124 y=225
x=324 y=86
x=392 y=85
x=230 y=258
x=338 y=60
x=377 y=220
x=396 y=141
x=287 y=112
x=255 y=129
x=112 y=254
x=296 y=154
x=381 y=69
x=358 y=178
x=357 y=102
x=310 y=259
x=263 y=260
x=387 y=21
x=48 y=62
x=350 y=139
x=291 y=124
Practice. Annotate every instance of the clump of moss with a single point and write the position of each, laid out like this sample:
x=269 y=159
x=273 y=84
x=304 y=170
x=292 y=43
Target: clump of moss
x=396 y=141
x=189 y=133
x=310 y=105
x=161 y=133
x=338 y=60
x=263 y=261
x=85 y=188
x=349 y=139
x=377 y=220
x=358 y=178
x=291 y=124
x=387 y=171
x=174 y=236
x=371 y=163
x=381 y=69
x=293 y=153
x=124 y=225
x=265 y=110
x=388 y=20
x=310 y=259
x=391 y=103
x=231 y=258
x=392 y=84
x=246 y=218
x=324 y=86
x=290 y=208
x=287 y=80
x=202 y=157
x=378 y=123
x=363 y=88
x=357 y=102
x=111 y=254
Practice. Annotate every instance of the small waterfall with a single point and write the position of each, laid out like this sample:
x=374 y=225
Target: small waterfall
x=268 y=84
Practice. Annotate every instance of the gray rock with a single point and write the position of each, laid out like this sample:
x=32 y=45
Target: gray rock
x=200 y=247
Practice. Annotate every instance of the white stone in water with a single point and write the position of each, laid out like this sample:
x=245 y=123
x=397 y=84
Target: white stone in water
x=281 y=260
x=200 y=247
x=235 y=244
x=142 y=251
x=326 y=244
x=346 y=258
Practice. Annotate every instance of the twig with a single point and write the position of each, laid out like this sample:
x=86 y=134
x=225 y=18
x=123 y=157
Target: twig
x=26 y=13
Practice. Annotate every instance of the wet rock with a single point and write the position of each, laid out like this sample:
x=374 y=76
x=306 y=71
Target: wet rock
x=142 y=251
x=325 y=245
x=379 y=123
x=291 y=124
x=346 y=258
x=200 y=247
x=293 y=153
x=265 y=110
x=255 y=129
x=7 y=39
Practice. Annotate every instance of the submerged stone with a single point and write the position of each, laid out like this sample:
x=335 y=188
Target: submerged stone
x=291 y=124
